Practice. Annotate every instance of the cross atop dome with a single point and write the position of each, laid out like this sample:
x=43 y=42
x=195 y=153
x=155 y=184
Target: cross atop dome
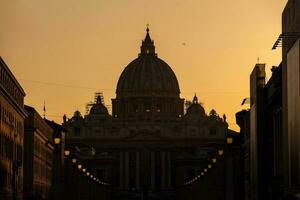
x=148 y=47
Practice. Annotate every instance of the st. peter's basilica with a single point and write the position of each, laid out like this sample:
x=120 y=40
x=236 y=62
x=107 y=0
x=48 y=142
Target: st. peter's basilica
x=149 y=143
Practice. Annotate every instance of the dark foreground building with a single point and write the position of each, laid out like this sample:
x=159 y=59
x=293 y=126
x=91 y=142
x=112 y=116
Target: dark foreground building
x=273 y=120
x=149 y=145
x=12 y=116
x=58 y=185
x=38 y=156
x=261 y=135
x=291 y=95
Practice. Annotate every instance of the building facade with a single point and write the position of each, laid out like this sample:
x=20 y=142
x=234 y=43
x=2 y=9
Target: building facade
x=38 y=156
x=12 y=116
x=149 y=145
x=261 y=136
x=58 y=186
x=274 y=118
x=291 y=95
x=257 y=84
x=243 y=121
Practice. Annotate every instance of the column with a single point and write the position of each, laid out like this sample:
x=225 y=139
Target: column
x=169 y=169
x=121 y=170
x=163 y=169
x=126 y=169
x=229 y=176
x=152 y=170
x=137 y=170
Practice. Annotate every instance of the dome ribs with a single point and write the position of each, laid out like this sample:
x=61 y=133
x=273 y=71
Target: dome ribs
x=148 y=75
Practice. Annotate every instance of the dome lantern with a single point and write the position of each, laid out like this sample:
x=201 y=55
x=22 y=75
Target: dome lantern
x=147 y=47
x=195 y=99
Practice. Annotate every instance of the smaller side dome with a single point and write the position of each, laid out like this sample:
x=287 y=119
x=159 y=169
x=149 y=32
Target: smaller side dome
x=76 y=116
x=98 y=108
x=195 y=108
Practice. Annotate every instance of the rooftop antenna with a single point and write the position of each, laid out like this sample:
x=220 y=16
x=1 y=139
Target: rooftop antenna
x=44 y=109
x=257 y=60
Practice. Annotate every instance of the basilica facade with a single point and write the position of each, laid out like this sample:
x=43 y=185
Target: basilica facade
x=149 y=144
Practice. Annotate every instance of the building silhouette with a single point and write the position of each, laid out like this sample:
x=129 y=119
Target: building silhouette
x=291 y=95
x=38 y=156
x=58 y=188
x=149 y=145
x=271 y=127
x=12 y=115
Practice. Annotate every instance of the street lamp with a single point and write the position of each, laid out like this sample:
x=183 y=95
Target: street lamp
x=57 y=164
x=205 y=170
x=74 y=160
x=209 y=166
x=67 y=152
x=220 y=152
x=88 y=173
x=229 y=140
x=214 y=160
x=84 y=170
x=57 y=140
x=202 y=174
x=79 y=166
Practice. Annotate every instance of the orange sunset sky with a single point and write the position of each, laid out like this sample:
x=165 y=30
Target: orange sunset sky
x=62 y=51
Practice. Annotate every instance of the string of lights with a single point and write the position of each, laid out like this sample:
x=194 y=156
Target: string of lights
x=210 y=165
x=83 y=169
x=212 y=161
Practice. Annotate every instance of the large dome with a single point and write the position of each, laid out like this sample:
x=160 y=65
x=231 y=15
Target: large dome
x=148 y=75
